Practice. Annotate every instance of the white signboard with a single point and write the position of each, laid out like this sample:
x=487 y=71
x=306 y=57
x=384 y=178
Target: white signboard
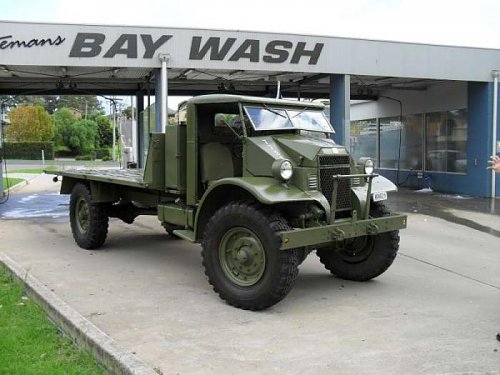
x=41 y=44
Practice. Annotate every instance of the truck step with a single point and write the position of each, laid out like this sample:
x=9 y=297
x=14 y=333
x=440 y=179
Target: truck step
x=185 y=234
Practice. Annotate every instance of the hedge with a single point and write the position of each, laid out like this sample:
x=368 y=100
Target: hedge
x=102 y=153
x=28 y=150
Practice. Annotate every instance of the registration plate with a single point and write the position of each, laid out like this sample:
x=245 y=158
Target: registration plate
x=379 y=196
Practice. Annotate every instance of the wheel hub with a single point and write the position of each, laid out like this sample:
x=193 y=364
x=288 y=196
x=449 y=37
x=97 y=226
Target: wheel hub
x=242 y=256
x=82 y=215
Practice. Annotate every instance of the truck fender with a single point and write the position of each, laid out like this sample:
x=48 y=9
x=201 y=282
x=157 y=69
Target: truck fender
x=266 y=190
x=380 y=183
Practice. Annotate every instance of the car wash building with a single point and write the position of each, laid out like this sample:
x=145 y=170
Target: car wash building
x=426 y=114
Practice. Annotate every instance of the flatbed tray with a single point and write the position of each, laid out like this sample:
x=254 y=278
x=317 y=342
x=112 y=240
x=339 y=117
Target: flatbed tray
x=127 y=177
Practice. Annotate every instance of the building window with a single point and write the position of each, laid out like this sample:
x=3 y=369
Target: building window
x=446 y=141
x=390 y=131
x=364 y=139
x=406 y=154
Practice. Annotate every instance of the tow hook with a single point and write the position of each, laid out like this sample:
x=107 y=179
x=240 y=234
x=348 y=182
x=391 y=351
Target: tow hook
x=337 y=235
x=372 y=228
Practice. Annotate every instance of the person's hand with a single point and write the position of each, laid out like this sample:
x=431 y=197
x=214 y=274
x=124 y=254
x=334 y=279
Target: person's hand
x=494 y=163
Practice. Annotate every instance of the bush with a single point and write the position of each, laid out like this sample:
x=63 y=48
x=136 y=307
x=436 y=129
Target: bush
x=29 y=150
x=63 y=151
x=107 y=158
x=83 y=137
x=102 y=153
x=84 y=157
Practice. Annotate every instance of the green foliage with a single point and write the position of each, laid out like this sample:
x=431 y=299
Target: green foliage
x=52 y=103
x=127 y=112
x=86 y=104
x=105 y=129
x=29 y=150
x=63 y=120
x=63 y=151
x=30 y=343
x=29 y=124
x=84 y=136
x=84 y=157
x=102 y=153
x=81 y=136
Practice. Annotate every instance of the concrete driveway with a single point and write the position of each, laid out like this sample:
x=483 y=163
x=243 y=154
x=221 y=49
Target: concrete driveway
x=435 y=311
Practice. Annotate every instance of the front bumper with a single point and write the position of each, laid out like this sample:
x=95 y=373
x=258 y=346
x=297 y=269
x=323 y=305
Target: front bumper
x=340 y=230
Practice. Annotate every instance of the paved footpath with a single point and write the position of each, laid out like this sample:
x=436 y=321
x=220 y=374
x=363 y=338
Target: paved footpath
x=435 y=311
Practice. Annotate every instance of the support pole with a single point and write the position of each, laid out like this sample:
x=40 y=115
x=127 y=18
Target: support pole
x=114 y=127
x=496 y=75
x=164 y=90
x=340 y=108
x=140 y=129
x=134 y=131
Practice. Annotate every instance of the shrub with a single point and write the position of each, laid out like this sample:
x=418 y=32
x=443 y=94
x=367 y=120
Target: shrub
x=102 y=153
x=29 y=150
x=83 y=157
x=63 y=151
x=83 y=137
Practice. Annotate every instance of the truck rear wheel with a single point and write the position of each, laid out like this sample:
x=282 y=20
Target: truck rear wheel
x=362 y=258
x=242 y=256
x=89 y=221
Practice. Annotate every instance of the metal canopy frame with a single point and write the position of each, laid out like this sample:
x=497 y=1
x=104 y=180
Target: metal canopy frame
x=54 y=80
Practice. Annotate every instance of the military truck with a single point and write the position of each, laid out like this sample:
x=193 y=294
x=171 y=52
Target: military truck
x=260 y=184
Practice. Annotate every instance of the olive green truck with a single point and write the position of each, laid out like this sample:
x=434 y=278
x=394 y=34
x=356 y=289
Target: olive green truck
x=260 y=184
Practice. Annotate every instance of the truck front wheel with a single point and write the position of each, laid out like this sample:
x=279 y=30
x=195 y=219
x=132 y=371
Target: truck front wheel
x=89 y=221
x=362 y=258
x=242 y=256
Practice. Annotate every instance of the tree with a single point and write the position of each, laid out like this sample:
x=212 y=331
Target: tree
x=87 y=104
x=127 y=112
x=105 y=130
x=84 y=136
x=63 y=120
x=30 y=124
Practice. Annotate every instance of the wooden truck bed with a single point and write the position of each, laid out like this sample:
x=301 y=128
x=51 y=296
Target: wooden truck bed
x=127 y=177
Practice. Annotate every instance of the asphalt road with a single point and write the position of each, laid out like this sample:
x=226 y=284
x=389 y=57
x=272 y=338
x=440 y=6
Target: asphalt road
x=435 y=311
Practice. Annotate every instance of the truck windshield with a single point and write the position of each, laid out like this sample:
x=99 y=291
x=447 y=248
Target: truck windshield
x=265 y=118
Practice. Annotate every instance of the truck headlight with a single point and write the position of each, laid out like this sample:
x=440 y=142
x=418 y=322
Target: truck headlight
x=369 y=166
x=282 y=169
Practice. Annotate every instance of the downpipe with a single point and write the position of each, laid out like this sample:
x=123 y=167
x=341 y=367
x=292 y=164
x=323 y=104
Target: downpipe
x=495 y=74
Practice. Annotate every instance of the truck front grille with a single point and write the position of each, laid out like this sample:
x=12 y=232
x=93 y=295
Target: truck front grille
x=329 y=166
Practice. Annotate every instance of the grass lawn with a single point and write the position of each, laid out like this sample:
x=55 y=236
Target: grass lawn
x=30 y=343
x=11 y=181
x=34 y=170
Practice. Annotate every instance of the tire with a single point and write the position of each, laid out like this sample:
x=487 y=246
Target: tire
x=362 y=258
x=89 y=221
x=242 y=257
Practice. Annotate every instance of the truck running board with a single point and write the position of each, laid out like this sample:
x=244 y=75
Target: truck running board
x=185 y=234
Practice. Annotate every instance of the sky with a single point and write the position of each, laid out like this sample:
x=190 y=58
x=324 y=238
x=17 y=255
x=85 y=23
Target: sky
x=462 y=23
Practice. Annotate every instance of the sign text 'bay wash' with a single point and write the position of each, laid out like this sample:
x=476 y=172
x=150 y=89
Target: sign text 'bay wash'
x=216 y=48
